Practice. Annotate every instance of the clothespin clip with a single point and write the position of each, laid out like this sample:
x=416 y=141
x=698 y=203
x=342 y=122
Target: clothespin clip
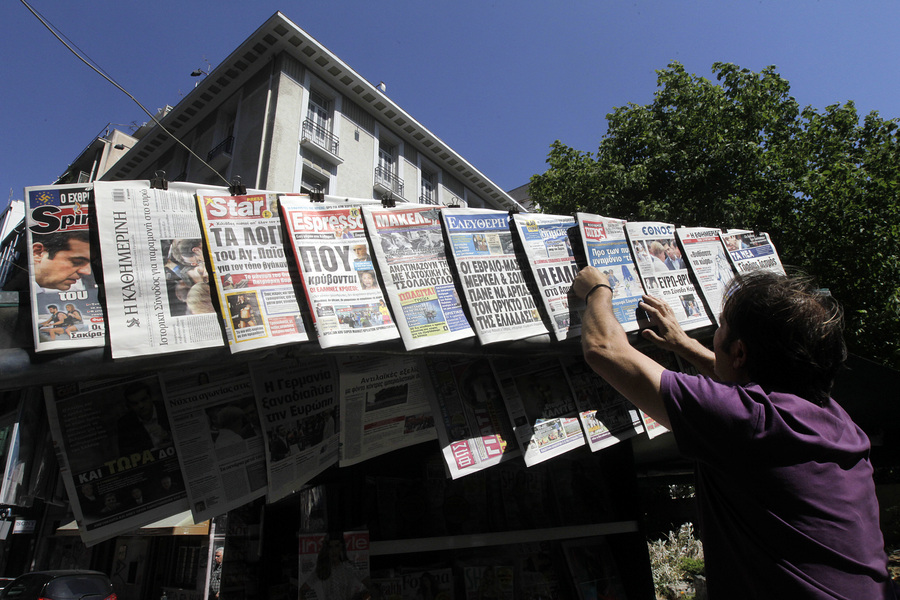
x=455 y=203
x=387 y=201
x=237 y=188
x=513 y=211
x=159 y=182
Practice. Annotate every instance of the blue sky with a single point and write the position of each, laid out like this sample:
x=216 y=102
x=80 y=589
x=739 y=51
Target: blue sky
x=498 y=81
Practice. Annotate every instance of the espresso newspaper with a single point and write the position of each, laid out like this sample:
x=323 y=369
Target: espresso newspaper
x=250 y=270
x=606 y=248
x=154 y=272
x=706 y=257
x=500 y=302
x=751 y=251
x=65 y=308
x=345 y=299
x=117 y=455
x=409 y=247
x=548 y=248
x=664 y=271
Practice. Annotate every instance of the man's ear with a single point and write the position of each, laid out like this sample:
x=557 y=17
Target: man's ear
x=37 y=249
x=738 y=354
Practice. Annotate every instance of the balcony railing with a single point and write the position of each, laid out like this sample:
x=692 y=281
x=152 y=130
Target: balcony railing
x=320 y=137
x=428 y=199
x=387 y=181
x=225 y=148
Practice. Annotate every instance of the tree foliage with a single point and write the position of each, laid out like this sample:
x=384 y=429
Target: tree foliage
x=741 y=153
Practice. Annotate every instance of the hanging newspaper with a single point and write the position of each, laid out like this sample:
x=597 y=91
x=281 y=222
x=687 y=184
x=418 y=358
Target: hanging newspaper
x=154 y=272
x=751 y=251
x=117 y=456
x=706 y=257
x=541 y=407
x=606 y=415
x=664 y=271
x=65 y=308
x=220 y=444
x=606 y=248
x=546 y=239
x=345 y=300
x=409 y=244
x=472 y=424
x=351 y=572
x=384 y=406
x=299 y=408
x=250 y=270
x=500 y=302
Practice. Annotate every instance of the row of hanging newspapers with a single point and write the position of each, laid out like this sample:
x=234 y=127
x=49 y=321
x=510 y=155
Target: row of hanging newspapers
x=193 y=267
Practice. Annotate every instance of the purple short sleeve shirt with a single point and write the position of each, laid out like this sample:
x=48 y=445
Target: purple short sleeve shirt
x=785 y=492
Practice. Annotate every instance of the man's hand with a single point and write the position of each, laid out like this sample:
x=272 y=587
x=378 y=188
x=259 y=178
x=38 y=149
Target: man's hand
x=666 y=332
x=586 y=279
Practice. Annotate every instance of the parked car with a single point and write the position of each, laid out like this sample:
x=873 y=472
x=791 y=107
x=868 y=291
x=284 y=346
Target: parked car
x=5 y=581
x=60 y=585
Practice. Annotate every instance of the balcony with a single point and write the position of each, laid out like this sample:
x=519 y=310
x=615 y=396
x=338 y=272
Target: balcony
x=220 y=156
x=319 y=140
x=387 y=182
x=428 y=199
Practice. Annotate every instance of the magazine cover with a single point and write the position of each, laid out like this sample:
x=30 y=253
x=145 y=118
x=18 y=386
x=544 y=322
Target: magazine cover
x=751 y=251
x=250 y=270
x=548 y=247
x=345 y=298
x=351 y=571
x=409 y=247
x=606 y=248
x=154 y=272
x=65 y=307
x=664 y=271
x=497 y=293
x=705 y=254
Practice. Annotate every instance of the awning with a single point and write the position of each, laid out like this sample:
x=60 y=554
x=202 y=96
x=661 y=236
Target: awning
x=180 y=524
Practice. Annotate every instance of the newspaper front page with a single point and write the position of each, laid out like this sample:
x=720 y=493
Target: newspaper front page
x=345 y=299
x=300 y=412
x=472 y=424
x=117 y=455
x=664 y=271
x=606 y=248
x=541 y=407
x=706 y=257
x=606 y=415
x=65 y=309
x=751 y=251
x=220 y=444
x=548 y=247
x=154 y=272
x=498 y=295
x=352 y=571
x=250 y=270
x=409 y=245
x=384 y=406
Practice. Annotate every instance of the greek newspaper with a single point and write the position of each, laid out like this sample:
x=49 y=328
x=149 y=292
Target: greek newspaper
x=706 y=257
x=606 y=248
x=751 y=251
x=409 y=244
x=546 y=239
x=384 y=405
x=220 y=445
x=541 y=407
x=500 y=302
x=472 y=424
x=346 y=302
x=606 y=415
x=117 y=456
x=65 y=308
x=250 y=270
x=664 y=271
x=299 y=409
x=154 y=272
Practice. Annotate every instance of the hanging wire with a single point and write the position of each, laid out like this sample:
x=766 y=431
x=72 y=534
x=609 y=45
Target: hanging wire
x=90 y=62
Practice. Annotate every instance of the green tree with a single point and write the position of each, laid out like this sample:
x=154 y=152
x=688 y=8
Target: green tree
x=740 y=153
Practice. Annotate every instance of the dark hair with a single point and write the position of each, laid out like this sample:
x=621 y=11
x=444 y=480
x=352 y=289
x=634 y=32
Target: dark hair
x=793 y=332
x=58 y=241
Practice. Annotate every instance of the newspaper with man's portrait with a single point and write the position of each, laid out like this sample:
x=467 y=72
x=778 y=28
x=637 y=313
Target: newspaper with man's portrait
x=705 y=254
x=751 y=251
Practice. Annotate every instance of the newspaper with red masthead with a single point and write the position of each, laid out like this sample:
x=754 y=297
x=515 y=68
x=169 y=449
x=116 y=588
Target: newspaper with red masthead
x=65 y=307
x=705 y=254
x=751 y=251
x=548 y=247
x=345 y=299
x=664 y=271
x=472 y=424
x=500 y=301
x=158 y=297
x=250 y=270
x=409 y=244
x=606 y=248
x=352 y=570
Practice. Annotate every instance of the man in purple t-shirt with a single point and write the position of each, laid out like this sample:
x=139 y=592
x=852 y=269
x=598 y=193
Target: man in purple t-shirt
x=784 y=483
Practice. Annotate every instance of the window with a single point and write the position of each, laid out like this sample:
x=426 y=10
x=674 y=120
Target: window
x=428 y=193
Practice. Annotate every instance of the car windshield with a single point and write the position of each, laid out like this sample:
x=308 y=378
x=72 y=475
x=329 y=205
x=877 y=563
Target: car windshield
x=74 y=587
x=25 y=587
